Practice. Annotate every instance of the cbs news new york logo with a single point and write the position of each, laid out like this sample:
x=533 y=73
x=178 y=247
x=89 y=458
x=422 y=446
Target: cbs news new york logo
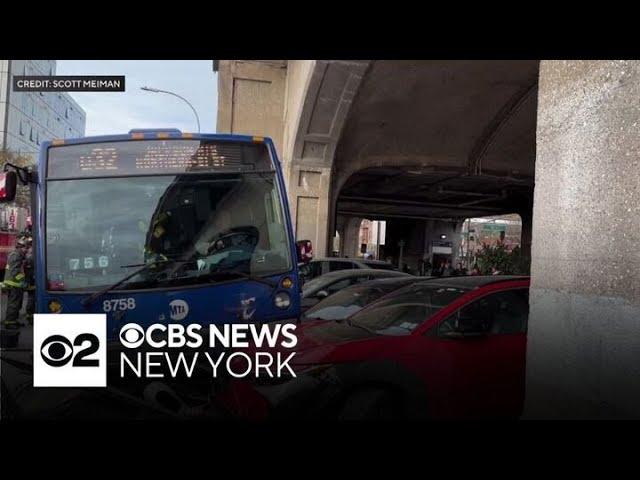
x=69 y=350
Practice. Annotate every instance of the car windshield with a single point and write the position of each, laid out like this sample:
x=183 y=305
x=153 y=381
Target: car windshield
x=403 y=311
x=315 y=283
x=351 y=300
x=99 y=230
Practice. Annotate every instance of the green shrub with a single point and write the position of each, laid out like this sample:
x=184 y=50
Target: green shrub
x=506 y=262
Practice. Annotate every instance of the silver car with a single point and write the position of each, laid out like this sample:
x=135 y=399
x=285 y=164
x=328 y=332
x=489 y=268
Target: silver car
x=322 y=266
x=325 y=285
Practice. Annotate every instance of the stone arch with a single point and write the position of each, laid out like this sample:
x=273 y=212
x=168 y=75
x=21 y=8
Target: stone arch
x=311 y=140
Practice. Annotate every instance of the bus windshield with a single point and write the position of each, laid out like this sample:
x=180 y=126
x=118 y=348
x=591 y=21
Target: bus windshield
x=191 y=226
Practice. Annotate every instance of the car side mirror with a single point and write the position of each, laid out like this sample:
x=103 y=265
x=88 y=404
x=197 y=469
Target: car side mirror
x=322 y=294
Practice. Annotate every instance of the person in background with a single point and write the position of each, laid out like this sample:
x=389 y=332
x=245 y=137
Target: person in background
x=29 y=276
x=438 y=271
x=447 y=271
x=460 y=270
x=426 y=267
x=495 y=271
x=14 y=283
x=475 y=270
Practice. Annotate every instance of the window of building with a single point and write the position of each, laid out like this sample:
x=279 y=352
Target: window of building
x=31 y=134
x=22 y=128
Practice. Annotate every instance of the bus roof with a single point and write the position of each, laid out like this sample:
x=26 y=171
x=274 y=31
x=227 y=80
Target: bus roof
x=157 y=133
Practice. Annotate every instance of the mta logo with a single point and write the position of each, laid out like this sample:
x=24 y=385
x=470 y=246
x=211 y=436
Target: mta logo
x=179 y=309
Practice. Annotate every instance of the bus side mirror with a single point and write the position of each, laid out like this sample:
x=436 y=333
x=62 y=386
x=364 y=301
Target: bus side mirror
x=305 y=251
x=8 y=183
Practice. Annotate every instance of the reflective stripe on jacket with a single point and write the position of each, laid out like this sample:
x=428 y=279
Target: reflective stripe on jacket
x=13 y=275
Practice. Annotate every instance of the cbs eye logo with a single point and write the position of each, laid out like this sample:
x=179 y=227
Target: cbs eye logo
x=132 y=335
x=57 y=350
x=69 y=350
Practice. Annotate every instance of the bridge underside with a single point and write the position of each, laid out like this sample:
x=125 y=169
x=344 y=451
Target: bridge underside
x=412 y=141
x=386 y=193
x=436 y=140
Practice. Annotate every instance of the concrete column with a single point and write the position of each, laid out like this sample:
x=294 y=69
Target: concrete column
x=433 y=231
x=526 y=232
x=350 y=245
x=251 y=96
x=308 y=190
x=583 y=352
x=319 y=96
x=341 y=225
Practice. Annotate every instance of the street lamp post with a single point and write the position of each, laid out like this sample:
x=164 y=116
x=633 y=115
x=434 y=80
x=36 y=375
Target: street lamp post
x=157 y=90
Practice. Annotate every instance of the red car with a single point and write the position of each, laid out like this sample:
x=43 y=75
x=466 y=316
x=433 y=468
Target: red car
x=450 y=347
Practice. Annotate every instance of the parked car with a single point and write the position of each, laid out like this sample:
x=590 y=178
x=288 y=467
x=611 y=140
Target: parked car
x=326 y=285
x=322 y=266
x=443 y=348
x=352 y=299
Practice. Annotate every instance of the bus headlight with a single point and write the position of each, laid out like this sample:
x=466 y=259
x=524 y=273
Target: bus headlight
x=282 y=300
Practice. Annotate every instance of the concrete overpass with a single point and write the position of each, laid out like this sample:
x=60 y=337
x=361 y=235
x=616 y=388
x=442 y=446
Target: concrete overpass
x=425 y=144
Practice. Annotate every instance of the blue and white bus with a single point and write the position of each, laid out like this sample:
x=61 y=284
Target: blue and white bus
x=160 y=226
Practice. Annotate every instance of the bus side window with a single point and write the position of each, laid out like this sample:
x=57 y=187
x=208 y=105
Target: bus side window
x=276 y=238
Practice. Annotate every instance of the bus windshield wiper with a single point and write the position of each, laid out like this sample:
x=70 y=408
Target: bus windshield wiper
x=94 y=296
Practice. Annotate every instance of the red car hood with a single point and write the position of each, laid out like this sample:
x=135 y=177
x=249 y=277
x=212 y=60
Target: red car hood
x=318 y=342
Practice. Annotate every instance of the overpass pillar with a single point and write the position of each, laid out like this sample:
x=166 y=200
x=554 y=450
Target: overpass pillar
x=251 y=97
x=435 y=244
x=584 y=328
x=350 y=243
x=527 y=232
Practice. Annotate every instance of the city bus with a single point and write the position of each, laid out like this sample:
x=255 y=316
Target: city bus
x=160 y=226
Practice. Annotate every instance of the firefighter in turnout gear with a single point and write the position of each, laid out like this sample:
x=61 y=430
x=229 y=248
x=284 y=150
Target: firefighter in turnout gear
x=15 y=283
x=29 y=275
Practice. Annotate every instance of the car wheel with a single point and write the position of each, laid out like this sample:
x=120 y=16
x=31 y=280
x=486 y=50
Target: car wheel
x=371 y=404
